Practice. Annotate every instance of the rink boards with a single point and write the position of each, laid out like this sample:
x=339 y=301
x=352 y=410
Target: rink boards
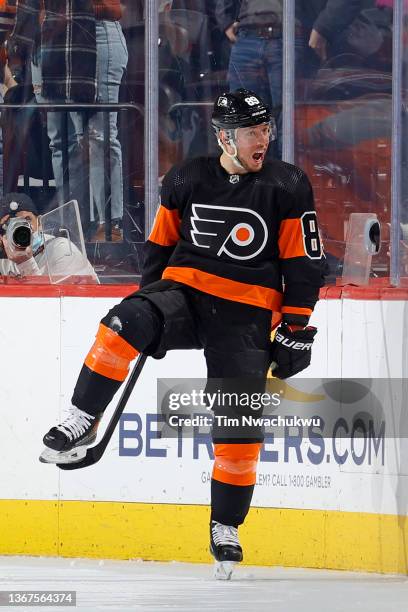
x=339 y=504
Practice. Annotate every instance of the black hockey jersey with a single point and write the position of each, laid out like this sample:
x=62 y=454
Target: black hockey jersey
x=250 y=238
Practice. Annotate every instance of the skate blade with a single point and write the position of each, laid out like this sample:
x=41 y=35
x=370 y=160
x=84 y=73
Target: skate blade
x=52 y=456
x=223 y=569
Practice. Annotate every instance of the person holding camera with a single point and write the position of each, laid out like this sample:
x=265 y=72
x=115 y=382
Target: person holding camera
x=26 y=251
x=78 y=56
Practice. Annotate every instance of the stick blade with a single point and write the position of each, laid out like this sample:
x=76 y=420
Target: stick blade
x=94 y=453
x=92 y=456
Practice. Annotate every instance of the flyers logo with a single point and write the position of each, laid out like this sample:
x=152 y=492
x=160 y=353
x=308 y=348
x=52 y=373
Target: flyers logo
x=240 y=233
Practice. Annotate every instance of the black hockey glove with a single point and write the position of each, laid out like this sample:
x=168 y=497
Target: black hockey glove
x=291 y=350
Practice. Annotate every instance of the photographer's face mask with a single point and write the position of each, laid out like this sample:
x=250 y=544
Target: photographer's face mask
x=37 y=242
x=37 y=239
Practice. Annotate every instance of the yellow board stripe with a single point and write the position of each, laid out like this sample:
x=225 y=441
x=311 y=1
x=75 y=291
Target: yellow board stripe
x=164 y=532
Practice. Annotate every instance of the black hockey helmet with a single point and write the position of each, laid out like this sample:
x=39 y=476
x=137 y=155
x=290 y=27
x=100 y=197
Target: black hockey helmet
x=240 y=108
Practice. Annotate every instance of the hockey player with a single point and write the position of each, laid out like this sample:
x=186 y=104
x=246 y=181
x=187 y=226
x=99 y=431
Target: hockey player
x=226 y=233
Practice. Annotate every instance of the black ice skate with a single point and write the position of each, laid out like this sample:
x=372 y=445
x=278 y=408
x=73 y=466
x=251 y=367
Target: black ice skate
x=68 y=441
x=225 y=548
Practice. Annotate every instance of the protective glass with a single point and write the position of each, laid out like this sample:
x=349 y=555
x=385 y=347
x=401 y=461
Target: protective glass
x=64 y=248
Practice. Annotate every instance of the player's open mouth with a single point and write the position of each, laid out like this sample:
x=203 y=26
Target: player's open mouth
x=258 y=156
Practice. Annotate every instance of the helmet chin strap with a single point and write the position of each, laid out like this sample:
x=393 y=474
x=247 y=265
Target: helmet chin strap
x=234 y=155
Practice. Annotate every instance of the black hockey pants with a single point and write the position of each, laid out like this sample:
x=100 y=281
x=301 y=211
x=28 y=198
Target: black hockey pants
x=235 y=338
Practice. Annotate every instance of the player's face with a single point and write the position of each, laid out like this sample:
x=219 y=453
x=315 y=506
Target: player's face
x=252 y=145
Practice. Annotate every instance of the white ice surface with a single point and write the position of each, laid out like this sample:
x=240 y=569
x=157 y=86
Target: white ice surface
x=153 y=587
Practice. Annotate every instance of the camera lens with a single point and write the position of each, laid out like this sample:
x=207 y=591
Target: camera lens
x=22 y=237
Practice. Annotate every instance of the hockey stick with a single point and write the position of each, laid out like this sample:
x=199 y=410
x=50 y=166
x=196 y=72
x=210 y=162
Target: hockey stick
x=94 y=453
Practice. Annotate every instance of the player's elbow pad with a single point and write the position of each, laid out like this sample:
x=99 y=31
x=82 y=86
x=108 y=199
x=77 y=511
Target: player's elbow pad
x=291 y=350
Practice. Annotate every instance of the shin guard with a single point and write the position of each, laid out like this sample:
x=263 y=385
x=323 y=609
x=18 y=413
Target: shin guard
x=105 y=368
x=110 y=355
x=236 y=464
x=233 y=481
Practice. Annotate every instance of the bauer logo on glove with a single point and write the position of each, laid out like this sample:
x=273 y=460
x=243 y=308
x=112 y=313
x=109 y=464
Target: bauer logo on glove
x=291 y=350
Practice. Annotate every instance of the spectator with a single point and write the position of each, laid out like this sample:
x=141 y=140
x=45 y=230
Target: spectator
x=133 y=11
x=87 y=69
x=44 y=249
x=254 y=28
x=7 y=13
x=324 y=20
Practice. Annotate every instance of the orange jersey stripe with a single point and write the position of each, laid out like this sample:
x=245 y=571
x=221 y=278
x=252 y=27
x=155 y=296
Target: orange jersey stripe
x=295 y=310
x=236 y=463
x=166 y=227
x=291 y=239
x=110 y=354
x=225 y=288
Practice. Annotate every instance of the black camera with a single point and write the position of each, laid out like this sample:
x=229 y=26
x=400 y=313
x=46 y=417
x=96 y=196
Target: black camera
x=18 y=233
